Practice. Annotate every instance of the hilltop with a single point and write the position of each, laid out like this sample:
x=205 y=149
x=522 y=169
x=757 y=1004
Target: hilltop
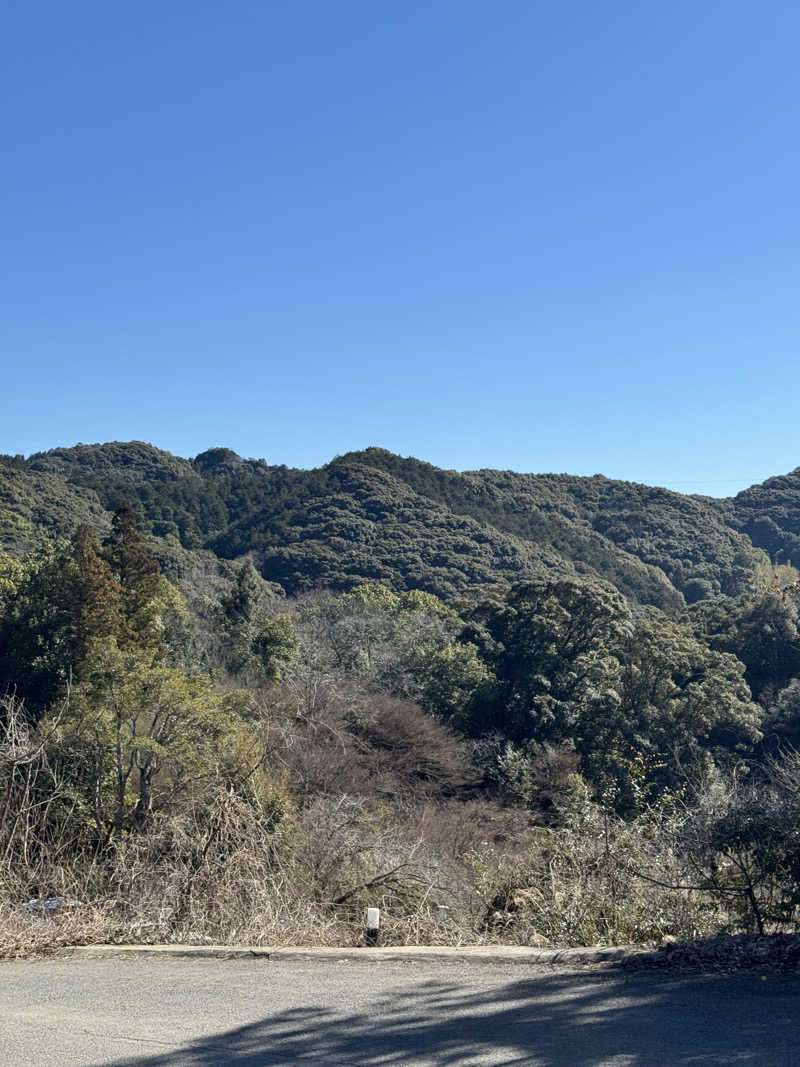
x=376 y=515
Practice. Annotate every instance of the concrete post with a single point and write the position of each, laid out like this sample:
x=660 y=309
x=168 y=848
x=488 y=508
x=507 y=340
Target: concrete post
x=373 y=925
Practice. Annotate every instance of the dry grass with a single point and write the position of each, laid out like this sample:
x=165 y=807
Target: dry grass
x=222 y=874
x=255 y=862
x=24 y=933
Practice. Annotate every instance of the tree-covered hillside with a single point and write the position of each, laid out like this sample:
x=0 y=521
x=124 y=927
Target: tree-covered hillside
x=611 y=526
x=232 y=694
x=770 y=516
x=36 y=504
x=375 y=515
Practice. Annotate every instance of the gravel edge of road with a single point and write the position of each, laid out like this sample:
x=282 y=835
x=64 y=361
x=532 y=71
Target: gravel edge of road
x=740 y=953
x=566 y=957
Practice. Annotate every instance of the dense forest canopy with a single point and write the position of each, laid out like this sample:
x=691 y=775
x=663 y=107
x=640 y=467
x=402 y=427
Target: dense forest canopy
x=238 y=647
x=374 y=515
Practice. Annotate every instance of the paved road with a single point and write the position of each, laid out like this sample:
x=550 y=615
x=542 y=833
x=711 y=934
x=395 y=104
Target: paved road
x=253 y=1013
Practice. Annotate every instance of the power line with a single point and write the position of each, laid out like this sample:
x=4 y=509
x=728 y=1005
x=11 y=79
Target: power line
x=707 y=481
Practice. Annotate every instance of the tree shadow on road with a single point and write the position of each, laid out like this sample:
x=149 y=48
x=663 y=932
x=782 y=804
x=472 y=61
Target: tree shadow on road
x=558 y=1020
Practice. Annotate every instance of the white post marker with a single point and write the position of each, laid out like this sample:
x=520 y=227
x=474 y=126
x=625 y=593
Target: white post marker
x=373 y=925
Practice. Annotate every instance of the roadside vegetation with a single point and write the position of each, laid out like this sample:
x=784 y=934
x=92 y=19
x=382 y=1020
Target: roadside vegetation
x=544 y=764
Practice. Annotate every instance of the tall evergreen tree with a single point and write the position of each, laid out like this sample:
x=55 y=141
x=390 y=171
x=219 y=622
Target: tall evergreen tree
x=64 y=600
x=140 y=581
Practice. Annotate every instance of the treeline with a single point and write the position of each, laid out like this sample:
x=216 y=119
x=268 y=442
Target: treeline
x=216 y=759
x=373 y=515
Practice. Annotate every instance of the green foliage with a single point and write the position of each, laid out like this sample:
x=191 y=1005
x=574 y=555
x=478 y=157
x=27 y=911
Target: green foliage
x=66 y=597
x=567 y=661
x=145 y=595
x=135 y=735
x=257 y=643
x=782 y=719
x=591 y=698
x=11 y=573
x=642 y=702
x=402 y=643
x=275 y=645
x=37 y=506
x=549 y=646
x=770 y=516
x=676 y=703
x=631 y=535
x=372 y=515
x=449 y=677
x=539 y=777
x=62 y=600
x=760 y=629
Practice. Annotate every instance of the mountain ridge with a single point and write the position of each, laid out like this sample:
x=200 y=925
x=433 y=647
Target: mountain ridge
x=374 y=514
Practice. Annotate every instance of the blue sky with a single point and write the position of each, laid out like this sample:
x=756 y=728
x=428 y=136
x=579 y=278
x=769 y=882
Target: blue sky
x=540 y=236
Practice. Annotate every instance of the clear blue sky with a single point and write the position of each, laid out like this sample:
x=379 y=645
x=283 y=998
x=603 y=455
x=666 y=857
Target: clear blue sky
x=558 y=236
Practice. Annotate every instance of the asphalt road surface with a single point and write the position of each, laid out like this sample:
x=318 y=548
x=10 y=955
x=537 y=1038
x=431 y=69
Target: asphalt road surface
x=248 y=1013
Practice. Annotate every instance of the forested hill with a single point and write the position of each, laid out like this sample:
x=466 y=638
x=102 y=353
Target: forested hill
x=770 y=515
x=375 y=515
